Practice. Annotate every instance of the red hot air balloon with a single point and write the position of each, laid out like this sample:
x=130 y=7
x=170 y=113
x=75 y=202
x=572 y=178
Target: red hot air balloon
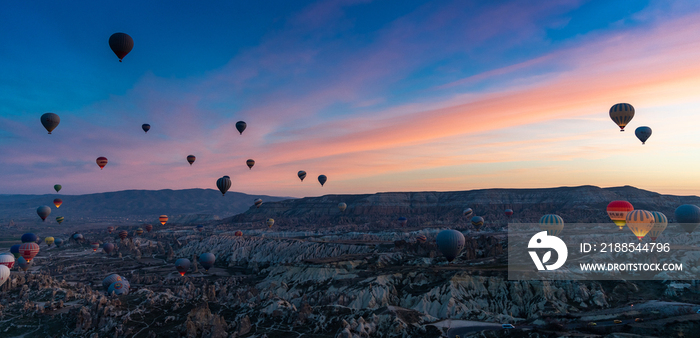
x=148 y=227
x=101 y=161
x=123 y=234
x=509 y=212
x=29 y=251
x=57 y=202
x=618 y=210
x=121 y=44
x=108 y=248
x=238 y=233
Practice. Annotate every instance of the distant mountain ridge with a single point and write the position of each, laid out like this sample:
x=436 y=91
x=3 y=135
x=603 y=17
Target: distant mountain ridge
x=574 y=204
x=188 y=205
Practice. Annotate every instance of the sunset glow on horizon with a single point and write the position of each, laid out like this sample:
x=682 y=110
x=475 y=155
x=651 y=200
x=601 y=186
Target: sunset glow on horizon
x=417 y=96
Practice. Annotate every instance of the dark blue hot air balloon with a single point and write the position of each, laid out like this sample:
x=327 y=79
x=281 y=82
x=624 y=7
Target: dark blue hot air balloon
x=643 y=133
x=14 y=250
x=29 y=238
x=688 y=215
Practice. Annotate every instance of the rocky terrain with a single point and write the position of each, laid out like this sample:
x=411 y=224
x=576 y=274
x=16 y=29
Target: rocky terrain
x=337 y=280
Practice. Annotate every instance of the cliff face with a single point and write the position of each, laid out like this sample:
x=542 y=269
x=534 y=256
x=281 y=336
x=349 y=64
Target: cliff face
x=574 y=204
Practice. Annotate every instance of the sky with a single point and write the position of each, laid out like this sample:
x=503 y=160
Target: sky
x=376 y=95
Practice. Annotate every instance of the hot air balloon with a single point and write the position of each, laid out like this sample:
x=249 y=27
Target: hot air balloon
x=322 y=179
x=148 y=227
x=302 y=175
x=660 y=224
x=688 y=215
x=14 y=250
x=60 y=219
x=270 y=222
x=29 y=250
x=509 y=212
x=118 y=288
x=4 y=274
x=49 y=240
x=240 y=125
x=123 y=234
x=121 y=44
x=551 y=223
x=146 y=127
x=468 y=212
x=50 y=121
x=95 y=246
x=139 y=232
x=200 y=228
x=421 y=239
x=78 y=237
x=163 y=219
x=182 y=265
x=342 y=206
x=257 y=202
x=477 y=222
x=191 y=158
x=643 y=133
x=29 y=238
x=223 y=184
x=43 y=212
x=622 y=114
x=101 y=161
x=238 y=233
x=57 y=187
x=207 y=260
x=250 y=163
x=8 y=260
x=57 y=202
x=617 y=210
x=640 y=222
x=38 y=240
x=402 y=221
x=108 y=248
x=111 y=279
x=110 y=229
x=450 y=243
x=22 y=264
x=58 y=242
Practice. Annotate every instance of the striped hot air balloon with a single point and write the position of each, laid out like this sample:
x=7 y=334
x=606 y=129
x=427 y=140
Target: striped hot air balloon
x=640 y=222
x=302 y=175
x=60 y=219
x=342 y=206
x=139 y=232
x=29 y=251
x=450 y=243
x=270 y=222
x=250 y=163
x=551 y=223
x=660 y=224
x=163 y=219
x=101 y=161
x=223 y=183
x=468 y=212
x=238 y=233
x=123 y=234
x=617 y=211
x=509 y=212
x=57 y=202
x=94 y=246
x=421 y=239
x=110 y=229
x=402 y=221
x=148 y=227
x=190 y=159
x=257 y=202
x=121 y=44
x=478 y=222
x=622 y=114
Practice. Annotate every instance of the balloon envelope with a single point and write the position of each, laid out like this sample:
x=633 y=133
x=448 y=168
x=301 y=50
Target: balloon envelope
x=43 y=212
x=77 y=236
x=29 y=251
x=660 y=224
x=207 y=260
x=643 y=133
x=688 y=215
x=14 y=250
x=450 y=243
x=238 y=233
x=101 y=161
x=182 y=265
x=402 y=221
x=50 y=121
x=342 y=206
x=622 y=114
x=123 y=234
x=139 y=232
x=163 y=219
x=146 y=127
x=121 y=44
x=509 y=212
x=240 y=126
x=468 y=212
x=640 y=222
x=617 y=211
x=302 y=175
x=322 y=179
x=49 y=240
x=149 y=227
x=94 y=246
x=258 y=202
x=223 y=183
x=22 y=263
x=190 y=159
x=111 y=279
x=4 y=274
x=8 y=260
x=270 y=222
x=421 y=239
x=57 y=202
x=250 y=163
x=110 y=229
x=58 y=242
x=477 y=222
x=29 y=238
x=108 y=248
x=57 y=187
x=200 y=228
x=118 y=288
x=60 y=219
x=551 y=223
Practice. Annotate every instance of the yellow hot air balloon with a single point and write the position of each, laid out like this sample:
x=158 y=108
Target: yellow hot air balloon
x=270 y=222
x=640 y=222
x=49 y=240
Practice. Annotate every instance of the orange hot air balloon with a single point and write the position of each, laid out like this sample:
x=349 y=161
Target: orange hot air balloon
x=57 y=202
x=101 y=161
x=617 y=210
x=163 y=219
x=640 y=222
